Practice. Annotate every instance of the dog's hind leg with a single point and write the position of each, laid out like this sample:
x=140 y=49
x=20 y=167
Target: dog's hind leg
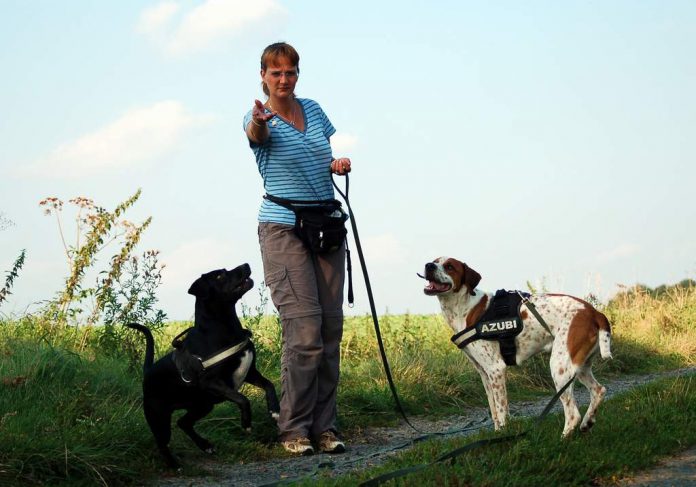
x=187 y=421
x=597 y=392
x=255 y=378
x=160 y=421
x=562 y=371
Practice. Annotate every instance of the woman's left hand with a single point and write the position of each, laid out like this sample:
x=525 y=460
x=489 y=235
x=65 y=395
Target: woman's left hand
x=340 y=166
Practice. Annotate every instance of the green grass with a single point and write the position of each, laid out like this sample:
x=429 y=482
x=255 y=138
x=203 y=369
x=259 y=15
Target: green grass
x=71 y=410
x=634 y=429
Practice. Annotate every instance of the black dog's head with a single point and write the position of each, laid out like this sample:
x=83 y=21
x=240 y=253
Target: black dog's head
x=223 y=285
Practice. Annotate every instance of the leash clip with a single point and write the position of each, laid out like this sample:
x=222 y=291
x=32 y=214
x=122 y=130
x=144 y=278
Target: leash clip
x=525 y=299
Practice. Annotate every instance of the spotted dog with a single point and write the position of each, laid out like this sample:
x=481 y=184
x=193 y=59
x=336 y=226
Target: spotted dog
x=578 y=329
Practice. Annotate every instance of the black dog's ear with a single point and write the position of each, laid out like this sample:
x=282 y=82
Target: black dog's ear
x=471 y=278
x=200 y=288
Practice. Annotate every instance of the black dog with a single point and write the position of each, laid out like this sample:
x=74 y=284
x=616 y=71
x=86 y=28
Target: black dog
x=207 y=367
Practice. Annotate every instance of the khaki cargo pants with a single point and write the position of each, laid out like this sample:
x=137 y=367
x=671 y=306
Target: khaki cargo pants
x=307 y=291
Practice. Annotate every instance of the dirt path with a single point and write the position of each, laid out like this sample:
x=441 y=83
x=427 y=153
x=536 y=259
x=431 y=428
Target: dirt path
x=373 y=446
x=678 y=471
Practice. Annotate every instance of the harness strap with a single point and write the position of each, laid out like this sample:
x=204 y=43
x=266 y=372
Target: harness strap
x=291 y=204
x=219 y=357
x=191 y=367
x=508 y=349
x=178 y=341
x=464 y=337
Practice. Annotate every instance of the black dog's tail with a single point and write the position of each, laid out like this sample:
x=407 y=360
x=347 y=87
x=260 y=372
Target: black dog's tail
x=150 y=344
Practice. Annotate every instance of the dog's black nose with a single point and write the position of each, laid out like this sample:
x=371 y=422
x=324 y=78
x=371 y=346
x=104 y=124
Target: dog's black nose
x=430 y=267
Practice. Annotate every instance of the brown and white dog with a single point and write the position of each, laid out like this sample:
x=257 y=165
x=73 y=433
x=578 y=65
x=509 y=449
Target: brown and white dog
x=579 y=331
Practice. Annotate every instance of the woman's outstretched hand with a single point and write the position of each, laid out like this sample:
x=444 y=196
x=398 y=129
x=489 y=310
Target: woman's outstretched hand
x=259 y=115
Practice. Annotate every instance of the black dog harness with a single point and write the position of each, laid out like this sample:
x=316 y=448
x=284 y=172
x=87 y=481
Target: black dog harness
x=193 y=368
x=500 y=322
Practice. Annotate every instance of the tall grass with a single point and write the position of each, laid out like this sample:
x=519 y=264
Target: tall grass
x=664 y=326
x=71 y=412
x=63 y=416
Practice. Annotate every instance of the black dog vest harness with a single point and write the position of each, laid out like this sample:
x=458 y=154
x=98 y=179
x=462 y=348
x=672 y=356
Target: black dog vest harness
x=192 y=368
x=500 y=322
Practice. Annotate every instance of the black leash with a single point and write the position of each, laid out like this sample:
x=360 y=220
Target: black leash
x=379 y=480
x=387 y=370
x=532 y=308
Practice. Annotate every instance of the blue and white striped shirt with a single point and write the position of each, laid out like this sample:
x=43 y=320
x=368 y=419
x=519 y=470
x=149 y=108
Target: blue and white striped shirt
x=294 y=164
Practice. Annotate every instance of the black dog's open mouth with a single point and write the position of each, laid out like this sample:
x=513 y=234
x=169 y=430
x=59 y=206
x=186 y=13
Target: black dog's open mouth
x=246 y=284
x=434 y=287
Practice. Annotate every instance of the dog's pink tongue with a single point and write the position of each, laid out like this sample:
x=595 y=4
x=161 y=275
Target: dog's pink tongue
x=435 y=286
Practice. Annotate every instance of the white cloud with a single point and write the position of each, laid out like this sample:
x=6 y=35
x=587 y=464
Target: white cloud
x=621 y=251
x=209 y=22
x=139 y=135
x=342 y=143
x=154 y=20
x=383 y=249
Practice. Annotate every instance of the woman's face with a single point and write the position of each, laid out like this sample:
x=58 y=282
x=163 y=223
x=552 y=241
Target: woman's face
x=280 y=77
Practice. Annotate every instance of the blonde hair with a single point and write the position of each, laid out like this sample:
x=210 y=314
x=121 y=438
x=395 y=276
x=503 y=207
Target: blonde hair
x=274 y=52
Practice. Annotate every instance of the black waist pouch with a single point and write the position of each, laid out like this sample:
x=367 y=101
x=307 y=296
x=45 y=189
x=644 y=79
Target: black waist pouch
x=321 y=224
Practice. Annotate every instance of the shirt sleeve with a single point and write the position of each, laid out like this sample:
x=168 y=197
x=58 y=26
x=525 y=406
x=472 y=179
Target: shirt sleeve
x=247 y=120
x=327 y=126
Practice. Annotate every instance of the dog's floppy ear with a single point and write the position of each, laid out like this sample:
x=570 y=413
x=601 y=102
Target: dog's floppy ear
x=471 y=278
x=200 y=288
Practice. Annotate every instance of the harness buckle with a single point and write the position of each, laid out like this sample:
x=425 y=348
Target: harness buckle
x=525 y=299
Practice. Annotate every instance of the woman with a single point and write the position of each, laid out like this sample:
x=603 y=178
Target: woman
x=290 y=140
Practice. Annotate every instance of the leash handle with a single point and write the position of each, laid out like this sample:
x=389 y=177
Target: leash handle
x=371 y=299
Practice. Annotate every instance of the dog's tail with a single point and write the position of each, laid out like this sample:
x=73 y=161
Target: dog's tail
x=150 y=343
x=604 y=336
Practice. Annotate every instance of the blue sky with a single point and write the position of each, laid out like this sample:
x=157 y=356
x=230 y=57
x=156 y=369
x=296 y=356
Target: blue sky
x=539 y=141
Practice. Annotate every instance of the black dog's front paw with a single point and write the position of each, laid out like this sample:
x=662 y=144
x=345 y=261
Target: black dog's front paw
x=170 y=459
x=275 y=415
x=205 y=446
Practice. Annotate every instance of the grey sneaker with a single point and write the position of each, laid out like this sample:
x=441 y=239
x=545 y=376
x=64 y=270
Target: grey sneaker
x=300 y=446
x=329 y=443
